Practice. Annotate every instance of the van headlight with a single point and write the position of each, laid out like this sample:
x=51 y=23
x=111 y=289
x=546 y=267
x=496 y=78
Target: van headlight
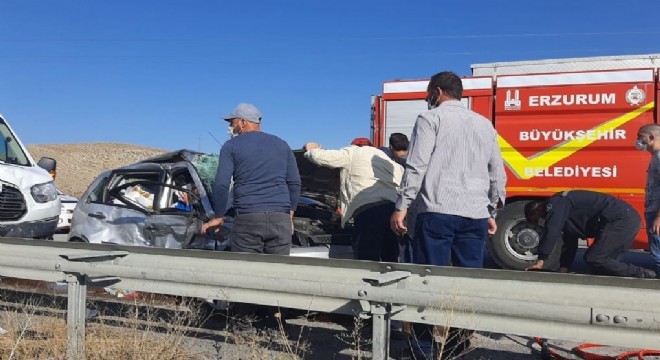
x=44 y=192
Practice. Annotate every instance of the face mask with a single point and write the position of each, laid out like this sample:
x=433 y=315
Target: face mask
x=231 y=131
x=640 y=145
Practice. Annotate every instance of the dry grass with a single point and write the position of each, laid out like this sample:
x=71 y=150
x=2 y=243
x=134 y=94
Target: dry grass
x=143 y=332
x=355 y=338
x=36 y=329
x=142 y=336
x=263 y=344
x=444 y=334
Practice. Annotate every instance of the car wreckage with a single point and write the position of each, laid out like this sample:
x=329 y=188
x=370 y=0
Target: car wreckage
x=164 y=200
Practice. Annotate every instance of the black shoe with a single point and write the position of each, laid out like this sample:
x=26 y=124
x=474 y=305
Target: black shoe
x=644 y=273
x=648 y=274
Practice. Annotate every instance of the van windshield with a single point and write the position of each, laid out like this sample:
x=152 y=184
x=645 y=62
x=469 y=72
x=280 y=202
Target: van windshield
x=10 y=150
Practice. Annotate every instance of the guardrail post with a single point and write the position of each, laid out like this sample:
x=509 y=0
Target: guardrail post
x=381 y=312
x=380 y=332
x=75 y=316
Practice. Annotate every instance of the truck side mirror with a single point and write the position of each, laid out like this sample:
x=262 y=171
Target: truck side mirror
x=48 y=164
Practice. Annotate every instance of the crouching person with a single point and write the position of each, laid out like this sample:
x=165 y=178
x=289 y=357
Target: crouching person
x=571 y=215
x=369 y=184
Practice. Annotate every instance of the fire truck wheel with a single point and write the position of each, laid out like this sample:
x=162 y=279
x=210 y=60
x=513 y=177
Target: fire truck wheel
x=514 y=244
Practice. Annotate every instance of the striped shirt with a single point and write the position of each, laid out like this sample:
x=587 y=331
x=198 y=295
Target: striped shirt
x=454 y=164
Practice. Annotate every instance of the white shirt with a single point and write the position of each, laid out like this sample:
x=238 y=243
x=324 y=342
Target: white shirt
x=367 y=176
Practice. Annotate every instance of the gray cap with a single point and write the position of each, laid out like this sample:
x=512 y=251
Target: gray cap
x=245 y=111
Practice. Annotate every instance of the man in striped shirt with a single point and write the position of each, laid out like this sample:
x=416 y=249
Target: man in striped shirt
x=455 y=166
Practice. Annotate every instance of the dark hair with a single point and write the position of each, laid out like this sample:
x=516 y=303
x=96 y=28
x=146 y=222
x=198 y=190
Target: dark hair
x=449 y=83
x=399 y=141
x=651 y=129
x=533 y=207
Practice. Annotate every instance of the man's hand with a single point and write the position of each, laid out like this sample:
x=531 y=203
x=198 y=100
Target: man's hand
x=398 y=222
x=214 y=224
x=492 y=226
x=656 y=225
x=311 y=146
x=536 y=266
x=293 y=229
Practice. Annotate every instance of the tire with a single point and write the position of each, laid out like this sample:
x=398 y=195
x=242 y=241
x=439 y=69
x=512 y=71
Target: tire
x=77 y=239
x=514 y=245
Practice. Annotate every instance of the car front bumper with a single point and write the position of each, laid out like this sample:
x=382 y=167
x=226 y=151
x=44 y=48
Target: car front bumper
x=30 y=229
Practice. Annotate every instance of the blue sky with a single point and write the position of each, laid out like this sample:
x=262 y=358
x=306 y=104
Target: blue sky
x=159 y=73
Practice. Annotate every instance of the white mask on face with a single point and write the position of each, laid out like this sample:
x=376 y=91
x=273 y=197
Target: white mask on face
x=640 y=145
x=232 y=132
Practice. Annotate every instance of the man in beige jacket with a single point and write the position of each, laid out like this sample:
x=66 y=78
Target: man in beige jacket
x=369 y=185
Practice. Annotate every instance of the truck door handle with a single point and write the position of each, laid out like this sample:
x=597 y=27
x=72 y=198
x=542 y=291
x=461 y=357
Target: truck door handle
x=97 y=215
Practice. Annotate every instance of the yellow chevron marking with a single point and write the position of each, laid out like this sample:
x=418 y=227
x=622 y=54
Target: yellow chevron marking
x=517 y=162
x=552 y=190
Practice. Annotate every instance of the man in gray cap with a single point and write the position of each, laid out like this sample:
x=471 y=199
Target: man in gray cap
x=265 y=195
x=266 y=186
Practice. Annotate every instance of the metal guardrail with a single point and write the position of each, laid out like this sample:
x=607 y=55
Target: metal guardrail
x=606 y=310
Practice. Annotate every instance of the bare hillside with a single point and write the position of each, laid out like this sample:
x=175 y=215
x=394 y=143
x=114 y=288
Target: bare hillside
x=79 y=164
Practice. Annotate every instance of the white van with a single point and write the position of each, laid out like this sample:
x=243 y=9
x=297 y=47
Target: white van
x=29 y=206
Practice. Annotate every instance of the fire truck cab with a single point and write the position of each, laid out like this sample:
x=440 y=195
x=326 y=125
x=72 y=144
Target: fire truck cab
x=562 y=124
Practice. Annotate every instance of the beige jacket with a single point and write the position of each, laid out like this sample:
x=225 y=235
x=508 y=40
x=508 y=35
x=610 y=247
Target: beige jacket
x=367 y=176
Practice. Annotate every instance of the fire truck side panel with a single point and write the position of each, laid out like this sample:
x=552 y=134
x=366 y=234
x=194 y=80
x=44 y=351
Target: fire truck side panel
x=575 y=134
x=557 y=130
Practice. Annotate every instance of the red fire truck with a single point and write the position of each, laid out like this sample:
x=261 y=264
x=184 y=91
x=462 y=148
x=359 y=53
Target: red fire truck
x=562 y=124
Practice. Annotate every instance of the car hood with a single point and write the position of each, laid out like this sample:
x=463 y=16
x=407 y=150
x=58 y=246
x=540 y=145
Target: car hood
x=318 y=182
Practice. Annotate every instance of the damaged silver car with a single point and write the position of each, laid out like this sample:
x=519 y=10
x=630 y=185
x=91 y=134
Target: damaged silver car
x=159 y=202
x=164 y=200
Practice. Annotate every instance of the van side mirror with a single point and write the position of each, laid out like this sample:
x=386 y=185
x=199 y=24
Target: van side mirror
x=48 y=164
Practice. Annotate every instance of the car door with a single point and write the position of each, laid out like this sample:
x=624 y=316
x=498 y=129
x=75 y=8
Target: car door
x=175 y=223
x=118 y=213
x=169 y=224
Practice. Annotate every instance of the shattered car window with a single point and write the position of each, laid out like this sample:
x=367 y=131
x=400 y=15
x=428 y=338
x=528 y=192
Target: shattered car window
x=206 y=166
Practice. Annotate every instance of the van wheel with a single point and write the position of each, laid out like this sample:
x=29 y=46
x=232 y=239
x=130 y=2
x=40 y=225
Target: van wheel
x=515 y=243
x=77 y=239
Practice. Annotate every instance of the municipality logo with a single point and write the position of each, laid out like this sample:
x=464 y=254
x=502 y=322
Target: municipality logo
x=635 y=96
x=512 y=103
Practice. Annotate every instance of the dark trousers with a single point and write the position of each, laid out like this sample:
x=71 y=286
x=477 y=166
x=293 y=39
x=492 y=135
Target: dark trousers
x=262 y=233
x=614 y=239
x=372 y=237
x=443 y=240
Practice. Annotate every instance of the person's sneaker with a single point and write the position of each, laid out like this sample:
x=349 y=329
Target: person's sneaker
x=649 y=274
